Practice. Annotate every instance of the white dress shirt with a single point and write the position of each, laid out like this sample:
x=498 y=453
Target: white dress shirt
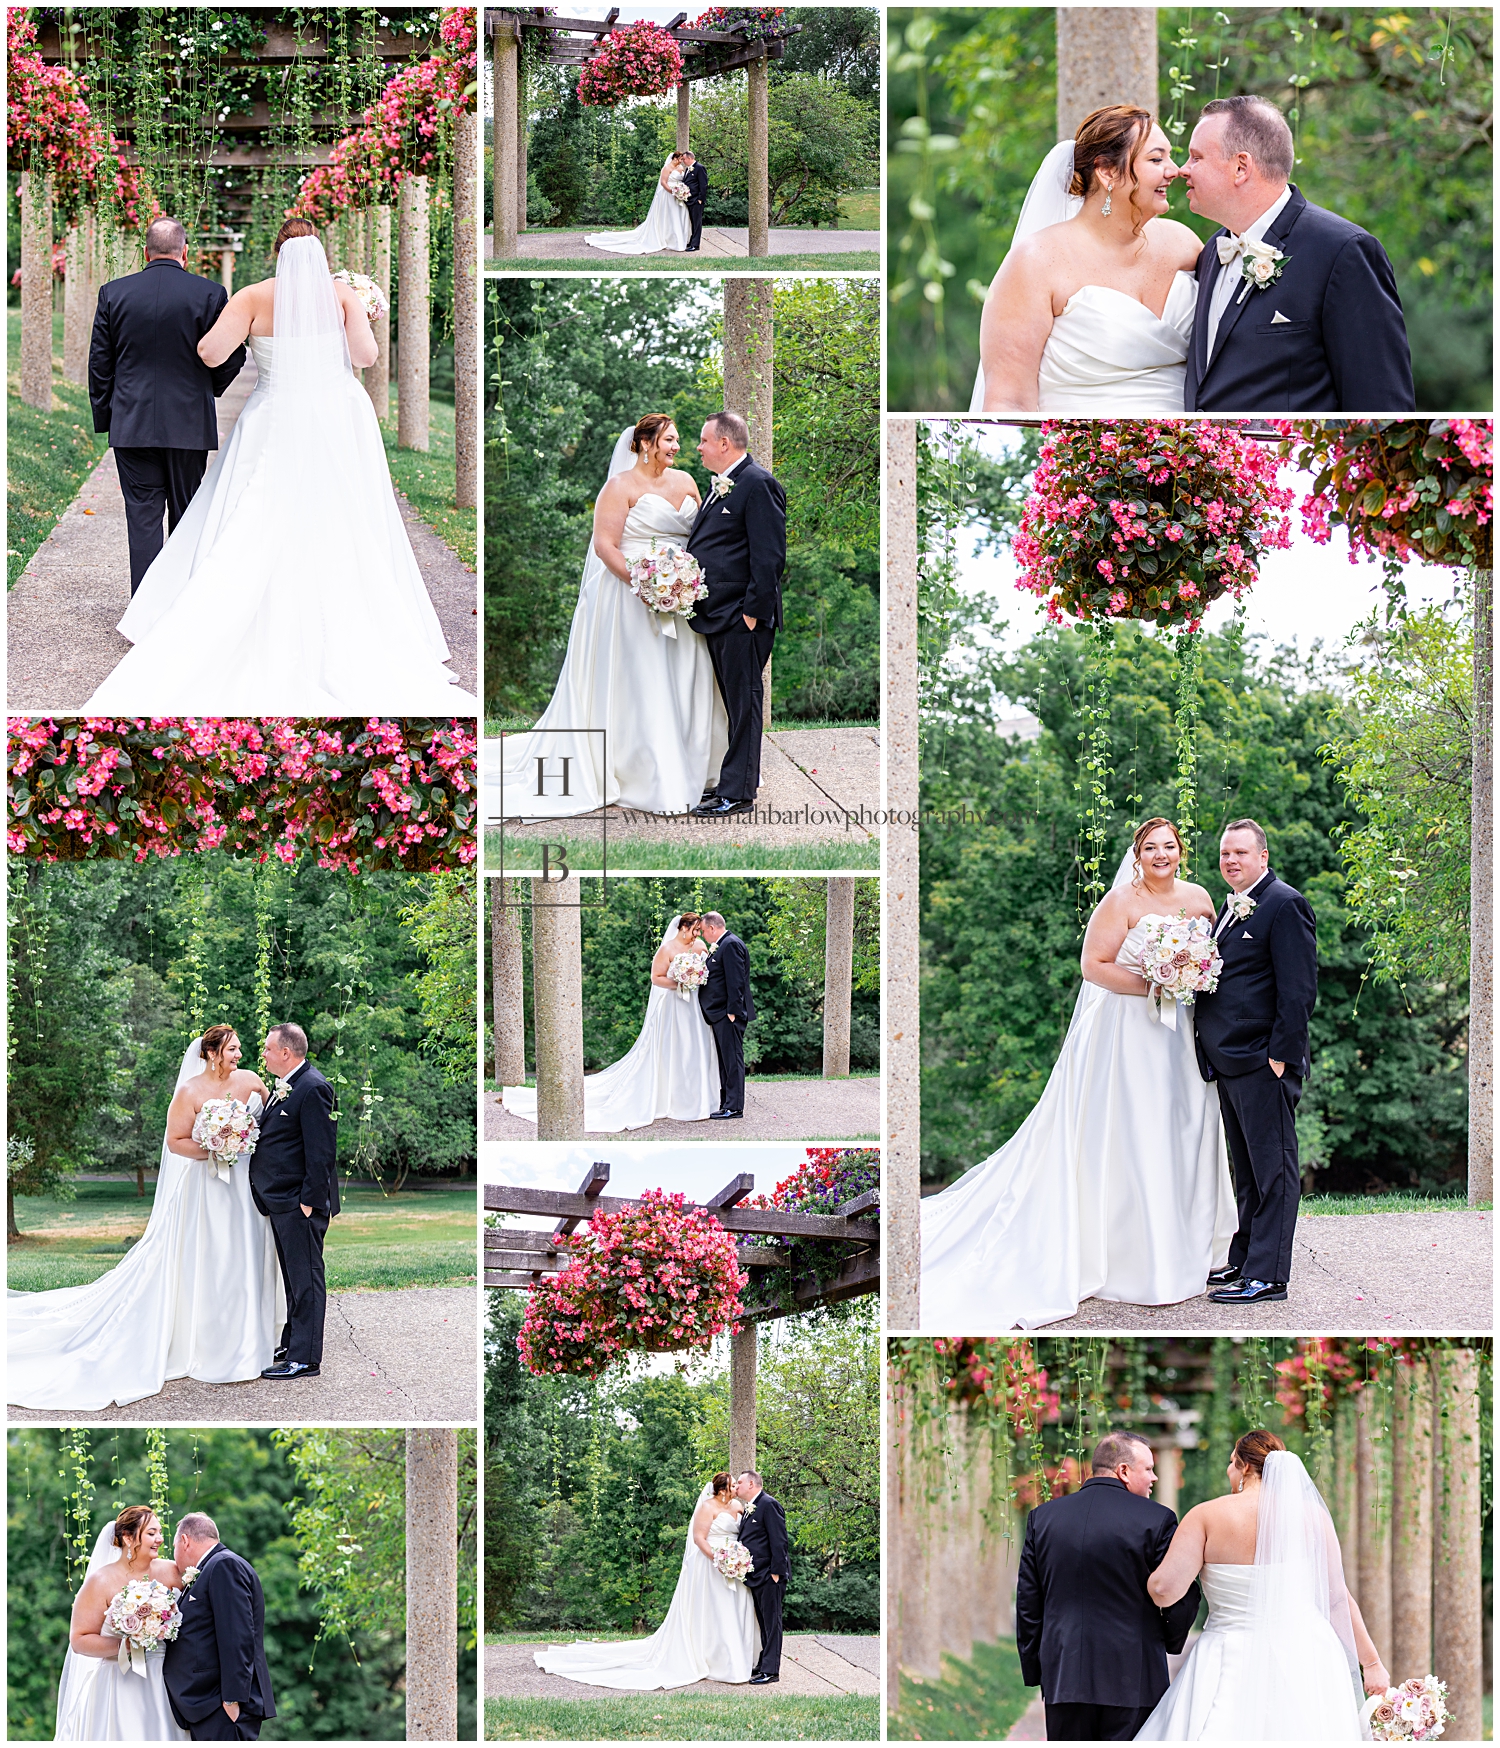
x=1230 y=274
x=1249 y=892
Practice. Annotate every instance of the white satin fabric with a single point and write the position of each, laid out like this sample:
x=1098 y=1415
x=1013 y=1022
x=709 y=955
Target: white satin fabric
x=666 y=226
x=289 y=587
x=198 y=1296
x=1312 y=1698
x=1115 y=1187
x=709 y=1633
x=647 y=682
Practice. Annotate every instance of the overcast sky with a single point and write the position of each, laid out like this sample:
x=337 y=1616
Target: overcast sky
x=697 y=1169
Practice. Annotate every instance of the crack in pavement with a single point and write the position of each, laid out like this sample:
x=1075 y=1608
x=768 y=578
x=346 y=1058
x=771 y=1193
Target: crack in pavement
x=380 y=1371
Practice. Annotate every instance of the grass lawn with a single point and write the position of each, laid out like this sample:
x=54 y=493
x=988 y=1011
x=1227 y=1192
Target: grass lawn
x=854 y=261
x=426 y=480
x=976 y=1701
x=50 y=455
x=1391 y=1202
x=859 y=210
x=700 y=1718
x=421 y=1238
x=839 y=854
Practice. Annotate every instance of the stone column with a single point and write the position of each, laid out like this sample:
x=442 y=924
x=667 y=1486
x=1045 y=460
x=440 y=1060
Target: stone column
x=1410 y=1649
x=760 y=157
x=742 y=1400
x=838 y=976
x=507 y=982
x=431 y=1590
x=465 y=311
x=504 y=52
x=1457 y=1602
x=1482 y=902
x=36 y=290
x=1105 y=54
x=1373 y=1584
x=557 y=1001
x=901 y=925
x=378 y=374
x=521 y=153
x=892 y=1540
x=684 y=111
x=76 y=314
x=416 y=317
x=749 y=371
x=1168 y=1489
x=226 y=270
x=955 y=1568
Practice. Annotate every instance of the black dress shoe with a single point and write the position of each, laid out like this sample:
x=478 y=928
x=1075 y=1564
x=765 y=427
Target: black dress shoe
x=721 y=807
x=1249 y=1293
x=707 y=796
x=1225 y=1277
x=290 y=1369
x=278 y=1356
x=719 y=1116
x=761 y=1680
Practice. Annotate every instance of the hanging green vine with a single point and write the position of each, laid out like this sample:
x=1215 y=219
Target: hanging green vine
x=157 y=1482
x=1189 y=704
x=74 y=1450
x=1093 y=762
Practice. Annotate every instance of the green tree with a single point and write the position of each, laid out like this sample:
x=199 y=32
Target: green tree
x=798 y=930
x=840 y=43
x=442 y=921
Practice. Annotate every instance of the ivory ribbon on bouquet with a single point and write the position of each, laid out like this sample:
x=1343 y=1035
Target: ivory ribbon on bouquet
x=1162 y=1007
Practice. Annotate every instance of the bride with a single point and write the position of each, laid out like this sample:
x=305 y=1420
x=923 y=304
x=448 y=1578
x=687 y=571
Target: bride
x=198 y=1296
x=666 y=225
x=289 y=586
x=1092 y=309
x=97 y=1701
x=1284 y=1647
x=646 y=680
x=672 y=1069
x=1117 y=1184
x=709 y=1633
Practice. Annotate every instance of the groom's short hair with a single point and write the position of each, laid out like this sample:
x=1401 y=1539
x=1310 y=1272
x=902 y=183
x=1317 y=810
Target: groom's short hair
x=198 y=1526
x=712 y=916
x=164 y=236
x=292 y=1037
x=1116 y=1448
x=732 y=428
x=1256 y=126
x=1248 y=825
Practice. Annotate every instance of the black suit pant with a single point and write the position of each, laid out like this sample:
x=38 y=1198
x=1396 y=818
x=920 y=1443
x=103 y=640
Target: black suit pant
x=739 y=656
x=695 y=213
x=154 y=482
x=1091 y=1723
x=768 y=1598
x=729 y=1043
x=1260 y=1126
x=218 y=1726
x=299 y=1250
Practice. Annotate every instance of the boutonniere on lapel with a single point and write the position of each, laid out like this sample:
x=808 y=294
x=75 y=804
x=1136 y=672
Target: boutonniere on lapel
x=188 y=1574
x=1240 y=906
x=750 y=1509
x=723 y=485
x=1261 y=264
x=283 y=1090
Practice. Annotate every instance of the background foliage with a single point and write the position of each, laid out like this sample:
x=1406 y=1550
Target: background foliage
x=1392 y=114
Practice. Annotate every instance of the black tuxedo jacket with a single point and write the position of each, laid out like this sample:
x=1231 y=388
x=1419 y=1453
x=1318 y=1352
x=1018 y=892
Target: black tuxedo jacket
x=1086 y=1629
x=295 y=1162
x=148 y=386
x=219 y=1653
x=727 y=989
x=740 y=540
x=763 y=1533
x=696 y=183
x=1342 y=347
x=1267 y=989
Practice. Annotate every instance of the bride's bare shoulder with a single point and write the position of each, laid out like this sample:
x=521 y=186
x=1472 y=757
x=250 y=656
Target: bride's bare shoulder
x=681 y=477
x=1180 y=240
x=1197 y=899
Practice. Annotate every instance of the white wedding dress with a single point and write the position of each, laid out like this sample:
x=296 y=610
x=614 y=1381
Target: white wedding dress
x=199 y=1295
x=709 y=1633
x=666 y=225
x=289 y=587
x=97 y=1701
x=671 y=1070
x=646 y=679
x=1107 y=354
x=1115 y=1187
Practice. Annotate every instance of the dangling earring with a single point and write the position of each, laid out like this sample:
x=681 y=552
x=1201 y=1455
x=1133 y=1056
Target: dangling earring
x=1108 y=196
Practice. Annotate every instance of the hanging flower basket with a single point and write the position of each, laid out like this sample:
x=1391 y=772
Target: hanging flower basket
x=657 y=1278
x=1146 y=520
x=642 y=60
x=751 y=22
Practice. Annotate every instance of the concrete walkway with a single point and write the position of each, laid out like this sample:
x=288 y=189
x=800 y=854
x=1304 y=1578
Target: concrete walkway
x=65 y=605
x=775 y=1110
x=1352 y=1274
x=397 y=1358
x=813 y=1665
x=1031 y=1726
x=718 y=244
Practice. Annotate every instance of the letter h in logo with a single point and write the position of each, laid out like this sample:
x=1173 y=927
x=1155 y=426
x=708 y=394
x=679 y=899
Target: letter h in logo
x=544 y=776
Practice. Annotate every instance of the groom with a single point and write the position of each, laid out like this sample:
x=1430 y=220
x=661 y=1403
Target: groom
x=1251 y=1036
x=218 y=1682
x=725 y=1003
x=294 y=1180
x=1087 y=1632
x=739 y=538
x=1322 y=331
x=151 y=392
x=695 y=181
x=763 y=1536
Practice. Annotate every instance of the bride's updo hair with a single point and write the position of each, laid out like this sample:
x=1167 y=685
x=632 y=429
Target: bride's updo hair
x=214 y=1040
x=1110 y=137
x=648 y=430
x=721 y=1483
x=688 y=920
x=130 y=1524
x=294 y=227
x=1255 y=1447
x=1140 y=838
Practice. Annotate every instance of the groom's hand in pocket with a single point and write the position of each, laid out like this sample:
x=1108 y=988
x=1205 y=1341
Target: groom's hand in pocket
x=306 y=1211
x=232 y=1706
x=750 y=624
x=1277 y=1068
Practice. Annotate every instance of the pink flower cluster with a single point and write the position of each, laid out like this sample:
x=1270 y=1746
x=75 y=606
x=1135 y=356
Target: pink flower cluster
x=660 y=1276
x=1147 y=520
x=751 y=22
x=355 y=794
x=641 y=60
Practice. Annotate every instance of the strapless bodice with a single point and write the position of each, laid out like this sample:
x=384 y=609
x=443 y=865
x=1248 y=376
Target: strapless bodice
x=725 y=1523
x=1129 y=954
x=262 y=350
x=1107 y=353
x=653 y=520
x=1229 y=1592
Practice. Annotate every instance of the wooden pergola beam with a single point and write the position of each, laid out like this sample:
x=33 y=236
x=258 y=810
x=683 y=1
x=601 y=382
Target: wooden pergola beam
x=770 y=1222
x=859 y=1276
x=282 y=44
x=594 y=1180
x=733 y=1192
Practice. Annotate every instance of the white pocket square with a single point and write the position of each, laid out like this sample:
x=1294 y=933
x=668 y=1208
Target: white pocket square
x=1278 y=317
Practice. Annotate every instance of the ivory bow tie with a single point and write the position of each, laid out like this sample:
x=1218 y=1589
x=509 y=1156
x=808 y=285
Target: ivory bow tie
x=1229 y=247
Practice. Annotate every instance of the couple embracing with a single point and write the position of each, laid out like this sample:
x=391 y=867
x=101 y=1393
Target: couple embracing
x=1117 y=1186
x=674 y=219
x=659 y=707
x=691 y=1042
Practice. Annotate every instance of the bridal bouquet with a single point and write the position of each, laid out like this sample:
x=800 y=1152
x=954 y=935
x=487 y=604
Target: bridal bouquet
x=669 y=582
x=1180 y=958
x=227 y=1131
x=1413 y=1712
x=732 y=1562
x=144 y=1615
x=689 y=971
x=366 y=290
x=680 y=194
